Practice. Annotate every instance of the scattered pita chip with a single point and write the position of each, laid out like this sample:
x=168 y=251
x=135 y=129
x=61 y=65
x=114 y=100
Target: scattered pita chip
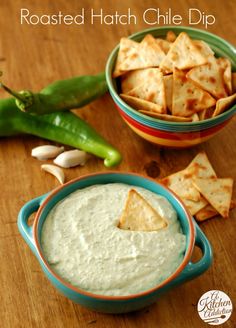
x=168 y=84
x=206 y=113
x=171 y=36
x=234 y=82
x=141 y=105
x=209 y=212
x=209 y=77
x=223 y=104
x=183 y=54
x=166 y=117
x=218 y=192
x=132 y=79
x=193 y=206
x=187 y=97
x=127 y=48
x=163 y=44
x=151 y=90
x=139 y=215
x=200 y=167
x=225 y=65
x=181 y=184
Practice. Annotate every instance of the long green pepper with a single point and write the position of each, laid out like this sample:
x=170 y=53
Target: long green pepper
x=63 y=127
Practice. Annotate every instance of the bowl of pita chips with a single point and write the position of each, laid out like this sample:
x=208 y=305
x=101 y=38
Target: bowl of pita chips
x=174 y=86
x=124 y=237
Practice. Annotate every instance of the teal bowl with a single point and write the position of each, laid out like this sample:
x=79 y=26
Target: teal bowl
x=164 y=133
x=114 y=304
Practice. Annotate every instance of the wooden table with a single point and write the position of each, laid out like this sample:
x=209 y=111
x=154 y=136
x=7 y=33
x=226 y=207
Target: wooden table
x=31 y=57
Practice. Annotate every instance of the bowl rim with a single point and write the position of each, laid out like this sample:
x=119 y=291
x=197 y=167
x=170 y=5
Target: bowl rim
x=184 y=263
x=119 y=101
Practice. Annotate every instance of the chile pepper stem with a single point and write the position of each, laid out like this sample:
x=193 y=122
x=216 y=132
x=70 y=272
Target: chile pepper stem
x=12 y=92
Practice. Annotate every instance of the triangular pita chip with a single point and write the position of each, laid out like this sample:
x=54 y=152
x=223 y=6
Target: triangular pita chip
x=223 y=104
x=206 y=113
x=168 y=83
x=200 y=167
x=225 y=65
x=183 y=54
x=166 y=117
x=234 y=82
x=217 y=192
x=187 y=97
x=193 y=206
x=127 y=49
x=141 y=104
x=204 y=48
x=210 y=78
x=152 y=89
x=209 y=212
x=163 y=44
x=139 y=215
x=195 y=117
x=134 y=78
x=171 y=36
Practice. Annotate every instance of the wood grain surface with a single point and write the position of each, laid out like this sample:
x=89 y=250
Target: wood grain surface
x=31 y=57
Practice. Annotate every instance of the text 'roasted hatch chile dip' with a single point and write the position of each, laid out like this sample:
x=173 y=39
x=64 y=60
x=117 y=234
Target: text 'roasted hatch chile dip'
x=84 y=245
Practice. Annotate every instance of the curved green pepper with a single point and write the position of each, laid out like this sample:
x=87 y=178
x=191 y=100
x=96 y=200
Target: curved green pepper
x=64 y=127
x=61 y=95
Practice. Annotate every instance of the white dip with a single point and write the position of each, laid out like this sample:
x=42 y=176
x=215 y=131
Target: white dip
x=83 y=245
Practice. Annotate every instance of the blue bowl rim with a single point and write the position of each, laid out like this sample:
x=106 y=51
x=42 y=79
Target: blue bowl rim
x=185 y=125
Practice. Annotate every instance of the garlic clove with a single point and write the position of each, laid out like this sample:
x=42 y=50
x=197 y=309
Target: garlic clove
x=71 y=158
x=54 y=170
x=46 y=151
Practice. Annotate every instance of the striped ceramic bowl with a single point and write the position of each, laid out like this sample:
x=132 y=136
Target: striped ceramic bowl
x=172 y=134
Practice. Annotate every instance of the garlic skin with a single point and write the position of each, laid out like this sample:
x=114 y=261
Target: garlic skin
x=46 y=152
x=71 y=158
x=54 y=170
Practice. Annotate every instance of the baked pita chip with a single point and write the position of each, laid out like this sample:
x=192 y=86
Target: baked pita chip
x=141 y=105
x=225 y=65
x=187 y=97
x=151 y=51
x=166 y=117
x=194 y=207
x=209 y=77
x=163 y=44
x=204 y=48
x=206 y=113
x=200 y=167
x=171 y=36
x=127 y=48
x=152 y=90
x=234 y=82
x=195 y=117
x=183 y=54
x=135 y=78
x=223 y=104
x=218 y=192
x=139 y=215
x=209 y=212
x=168 y=84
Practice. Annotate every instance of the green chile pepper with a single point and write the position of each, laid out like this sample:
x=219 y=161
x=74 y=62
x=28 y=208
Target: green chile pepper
x=61 y=95
x=63 y=127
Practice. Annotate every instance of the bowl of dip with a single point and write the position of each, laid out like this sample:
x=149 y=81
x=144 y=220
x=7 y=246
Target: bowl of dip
x=165 y=133
x=76 y=239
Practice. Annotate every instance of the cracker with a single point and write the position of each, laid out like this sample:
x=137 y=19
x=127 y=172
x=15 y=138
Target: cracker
x=194 y=207
x=151 y=51
x=200 y=167
x=166 y=117
x=152 y=89
x=132 y=79
x=127 y=48
x=204 y=48
x=223 y=104
x=225 y=66
x=209 y=212
x=168 y=84
x=209 y=77
x=139 y=215
x=163 y=44
x=218 y=192
x=187 y=97
x=206 y=113
x=141 y=105
x=183 y=54
x=195 y=117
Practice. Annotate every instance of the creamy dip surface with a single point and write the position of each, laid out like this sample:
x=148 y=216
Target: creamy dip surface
x=83 y=245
